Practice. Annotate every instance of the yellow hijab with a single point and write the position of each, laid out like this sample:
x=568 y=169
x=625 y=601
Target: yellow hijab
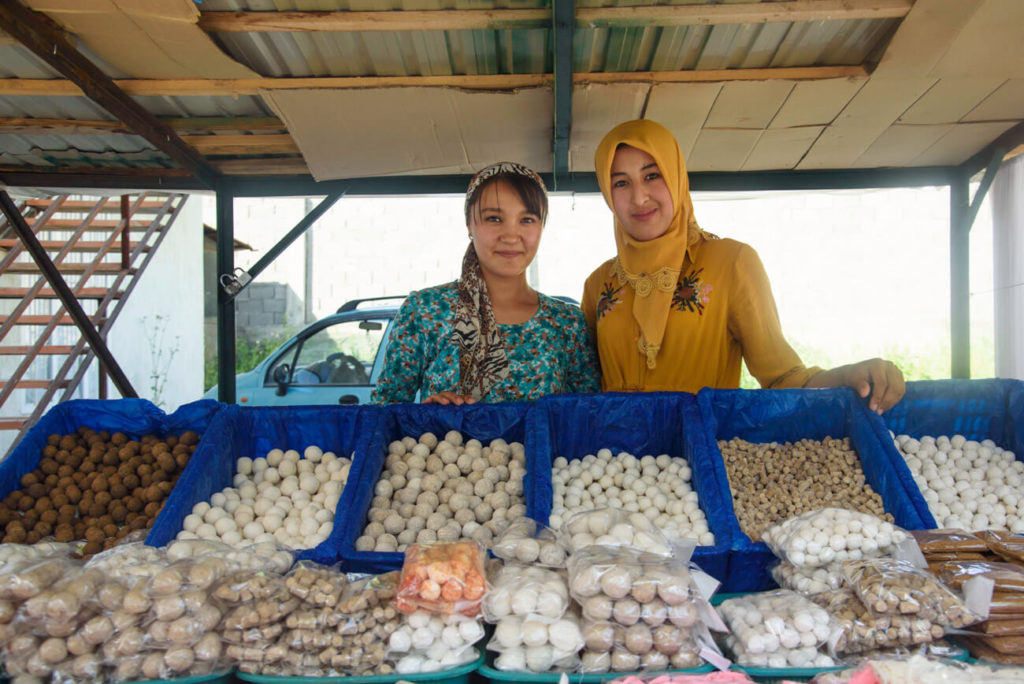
x=652 y=268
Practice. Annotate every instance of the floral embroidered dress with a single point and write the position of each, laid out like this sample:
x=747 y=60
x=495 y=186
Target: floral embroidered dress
x=550 y=353
x=722 y=312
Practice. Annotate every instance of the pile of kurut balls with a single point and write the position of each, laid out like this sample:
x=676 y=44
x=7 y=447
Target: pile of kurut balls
x=444 y=490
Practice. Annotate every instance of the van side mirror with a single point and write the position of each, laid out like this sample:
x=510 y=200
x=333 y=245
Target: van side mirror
x=281 y=376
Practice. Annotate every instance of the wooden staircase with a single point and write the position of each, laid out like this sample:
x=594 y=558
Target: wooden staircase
x=101 y=246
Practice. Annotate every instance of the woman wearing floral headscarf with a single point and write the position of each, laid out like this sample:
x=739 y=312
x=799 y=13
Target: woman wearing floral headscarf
x=489 y=336
x=678 y=308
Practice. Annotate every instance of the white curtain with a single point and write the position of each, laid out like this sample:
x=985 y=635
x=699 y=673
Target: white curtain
x=1008 y=268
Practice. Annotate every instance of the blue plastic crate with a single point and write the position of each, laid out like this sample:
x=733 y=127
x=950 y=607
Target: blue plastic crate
x=484 y=422
x=788 y=416
x=134 y=417
x=572 y=426
x=252 y=432
x=976 y=409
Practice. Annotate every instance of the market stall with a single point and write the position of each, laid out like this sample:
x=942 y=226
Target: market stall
x=516 y=541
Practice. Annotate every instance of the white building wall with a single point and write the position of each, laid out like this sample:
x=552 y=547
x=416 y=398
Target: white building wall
x=158 y=338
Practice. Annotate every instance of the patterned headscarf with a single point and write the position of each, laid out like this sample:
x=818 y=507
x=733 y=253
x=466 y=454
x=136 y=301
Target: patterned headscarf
x=483 y=361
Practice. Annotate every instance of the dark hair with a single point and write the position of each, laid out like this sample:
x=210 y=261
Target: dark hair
x=533 y=196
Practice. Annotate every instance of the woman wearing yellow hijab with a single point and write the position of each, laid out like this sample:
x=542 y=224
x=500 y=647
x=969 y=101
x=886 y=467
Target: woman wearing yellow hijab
x=678 y=308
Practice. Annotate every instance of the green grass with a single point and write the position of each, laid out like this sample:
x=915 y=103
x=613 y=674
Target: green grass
x=248 y=355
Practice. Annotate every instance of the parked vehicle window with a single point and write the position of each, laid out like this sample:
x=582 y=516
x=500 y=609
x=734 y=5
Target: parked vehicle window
x=340 y=354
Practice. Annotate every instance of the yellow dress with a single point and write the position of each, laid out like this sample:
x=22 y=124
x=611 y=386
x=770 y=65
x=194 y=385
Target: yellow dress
x=722 y=311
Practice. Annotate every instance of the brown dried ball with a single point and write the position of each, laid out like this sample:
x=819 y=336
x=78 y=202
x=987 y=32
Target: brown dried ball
x=182 y=459
x=53 y=440
x=26 y=503
x=49 y=517
x=64 y=533
x=153 y=509
x=94 y=534
x=29 y=479
x=153 y=493
x=133 y=504
x=92 y=548
x=49 y=466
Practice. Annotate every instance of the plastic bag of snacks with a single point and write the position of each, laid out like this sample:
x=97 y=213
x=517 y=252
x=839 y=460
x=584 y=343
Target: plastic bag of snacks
x=538 y=644
x=263 y=556
x=831 y=535
x=524 y=540
x=1005 y=576
x=730 y=677
x=893 y=587
x=808 y=581
x=613 y=527
x=948 y=541
x=443 y=577
x=640 y=610
x=862 y=632
x=777 y=629
x=427 y=642
x=526 y=590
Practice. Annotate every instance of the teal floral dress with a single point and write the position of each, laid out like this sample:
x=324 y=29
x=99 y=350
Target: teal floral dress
x=550 y=353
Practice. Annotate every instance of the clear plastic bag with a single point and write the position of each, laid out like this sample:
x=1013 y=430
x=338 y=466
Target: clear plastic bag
x=28 y=578
x=525 y=590
x=948 y=541
x=524 y=540
x=892 y=587
x=1006 y=577
x=443 y=577
x=808 y=581
x=432 y=636
x=610 y=527
x=832 y=535
x=862 y=632
x=315 y=584
x=777 y=629
x=541 y=644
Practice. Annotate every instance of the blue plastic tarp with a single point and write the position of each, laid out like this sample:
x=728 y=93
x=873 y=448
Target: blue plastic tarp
x=640 y=424
x=252 y=432
x=789 y=416
x=977 y=409
x=134 y=417
x=484 y=422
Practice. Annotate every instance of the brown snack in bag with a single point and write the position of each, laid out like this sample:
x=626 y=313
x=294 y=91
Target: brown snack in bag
x=949 y=541
x=1006 y=545
x=1006 y=576
x=980 y=649
x=1001 y=627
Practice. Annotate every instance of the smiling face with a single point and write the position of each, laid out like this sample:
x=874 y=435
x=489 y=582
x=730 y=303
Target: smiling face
x=640 y=197
x=505 y=233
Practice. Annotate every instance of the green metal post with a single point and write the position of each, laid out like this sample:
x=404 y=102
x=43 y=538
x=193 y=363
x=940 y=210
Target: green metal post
x=225 y=303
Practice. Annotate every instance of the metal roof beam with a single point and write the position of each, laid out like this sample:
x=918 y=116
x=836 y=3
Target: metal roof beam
x=586 y=17
x=1006 y=142
x=43 y=36
x=562 y=33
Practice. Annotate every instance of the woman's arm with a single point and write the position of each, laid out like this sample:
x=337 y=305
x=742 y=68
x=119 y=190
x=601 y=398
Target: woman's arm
x=882 y=379
x=584 y=372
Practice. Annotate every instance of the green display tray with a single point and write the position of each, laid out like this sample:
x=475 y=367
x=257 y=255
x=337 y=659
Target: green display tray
x=456 y=675
x=487 y=671
x=216 y=678
x=793 y=674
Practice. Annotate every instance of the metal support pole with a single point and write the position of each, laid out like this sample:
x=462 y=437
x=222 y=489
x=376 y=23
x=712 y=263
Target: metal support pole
x=563 y=24
x=126 y=233
x=959 y=277
x=67 y=297
x=225 y=303
x=307 y=271
x=237 y=280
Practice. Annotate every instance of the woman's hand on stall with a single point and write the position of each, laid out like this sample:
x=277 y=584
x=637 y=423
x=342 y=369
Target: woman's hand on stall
x=878 y=379
x=447 y=398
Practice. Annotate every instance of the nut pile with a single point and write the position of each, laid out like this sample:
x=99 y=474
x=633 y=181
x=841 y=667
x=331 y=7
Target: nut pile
x=967 y=484
x=657 y=487
x=95 y=486
x=444 y=490
x=282 y=498
x=777 y=629
x=639 y=610
x=771 y=482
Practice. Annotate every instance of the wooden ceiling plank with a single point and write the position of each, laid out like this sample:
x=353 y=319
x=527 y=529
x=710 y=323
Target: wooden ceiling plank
x=43 y=37
x=30 y=125
x=816 y=102
x=872 y=110
x=721 y=150
x=1004 y=104
x=596 y=109
x=961 y=142
x=285 y=166
x=586 y=17
x=899 y=143
x=924 y=36
x=951 y=99
x=748 y=104
x=781 y=148
x=683 y=109
x=243 y=144
x=252 y=86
